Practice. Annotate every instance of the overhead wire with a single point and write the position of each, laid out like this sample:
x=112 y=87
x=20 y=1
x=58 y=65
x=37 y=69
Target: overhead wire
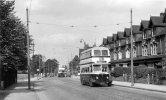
x=72 y=26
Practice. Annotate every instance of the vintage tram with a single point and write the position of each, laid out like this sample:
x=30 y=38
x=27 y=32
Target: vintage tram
x=94 y=66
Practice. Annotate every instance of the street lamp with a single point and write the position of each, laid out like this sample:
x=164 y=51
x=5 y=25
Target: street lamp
x=28 y=53
x=132 y=78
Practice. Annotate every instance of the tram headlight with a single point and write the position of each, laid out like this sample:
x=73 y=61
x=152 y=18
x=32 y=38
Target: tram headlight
x=107 y=77
x=97 y=77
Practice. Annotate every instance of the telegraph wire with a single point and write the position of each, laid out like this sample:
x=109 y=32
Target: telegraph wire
x=74 y=26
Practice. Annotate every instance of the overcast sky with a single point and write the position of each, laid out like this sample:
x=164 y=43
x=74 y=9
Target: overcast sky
x=58 y=25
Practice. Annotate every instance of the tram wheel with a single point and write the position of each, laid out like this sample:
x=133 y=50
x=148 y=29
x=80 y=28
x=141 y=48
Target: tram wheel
x=82 y=82
x=91 y=83
x=109 y=84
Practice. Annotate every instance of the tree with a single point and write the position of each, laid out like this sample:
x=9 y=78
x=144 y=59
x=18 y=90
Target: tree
x=13 y=43
x=74 y=64
x=51 y=66
x=13 y=37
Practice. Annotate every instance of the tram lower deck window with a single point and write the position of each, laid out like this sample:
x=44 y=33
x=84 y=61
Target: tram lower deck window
x=96 y=67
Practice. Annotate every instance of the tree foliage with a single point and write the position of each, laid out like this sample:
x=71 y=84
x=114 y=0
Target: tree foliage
x=73 y=65
x=12 y=37
x=36 y=62
x=51 y=65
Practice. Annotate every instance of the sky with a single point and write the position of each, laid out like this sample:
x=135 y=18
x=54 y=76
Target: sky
x=57 y=26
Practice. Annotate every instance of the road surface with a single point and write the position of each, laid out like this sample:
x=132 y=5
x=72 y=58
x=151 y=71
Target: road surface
x=70 y=89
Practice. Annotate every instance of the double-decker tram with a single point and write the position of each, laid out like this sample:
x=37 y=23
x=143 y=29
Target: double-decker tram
x=94 y=66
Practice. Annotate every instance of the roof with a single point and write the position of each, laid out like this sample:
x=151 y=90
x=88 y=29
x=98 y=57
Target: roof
x=120 y=35
x=156 y=21
x=164 y=19
x=115 y=37
x=162 y=31
x=109 y=39
x=127 y=32
x=135 y=29
x=144 y=24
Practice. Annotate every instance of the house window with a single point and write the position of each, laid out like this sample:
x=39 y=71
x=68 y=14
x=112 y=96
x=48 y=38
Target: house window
x=115 y=56
x=144 y=35
x=120 y=55
x=133 y=38
x=134 y=52
x=155 y=49
x=127 y=53
x=146 y=51
x=152 y=33
x=142 y=50
x=151 y=49
x=119 y=43
x=127 y=42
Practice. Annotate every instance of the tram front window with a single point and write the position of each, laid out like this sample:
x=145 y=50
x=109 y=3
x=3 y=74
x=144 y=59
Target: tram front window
x=97 y=53
x=104 y=68
x=104 y=52
x=97 y=67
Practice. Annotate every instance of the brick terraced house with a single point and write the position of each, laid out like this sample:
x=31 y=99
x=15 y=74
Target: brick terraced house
x=149 y=44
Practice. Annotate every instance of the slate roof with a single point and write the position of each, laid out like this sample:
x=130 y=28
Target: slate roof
x=127 y=32
x=109 y=39
x=115 y=37
x=164 y=19
x=135 y=29
x=120 y=35
x=163 y=32
x=156 y=21
x=144 y=24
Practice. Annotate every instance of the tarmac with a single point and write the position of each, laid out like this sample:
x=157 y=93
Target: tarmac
x=20 y=90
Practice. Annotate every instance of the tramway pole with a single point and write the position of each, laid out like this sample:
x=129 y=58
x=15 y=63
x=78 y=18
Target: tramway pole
x=132 y=78
x=28 y=56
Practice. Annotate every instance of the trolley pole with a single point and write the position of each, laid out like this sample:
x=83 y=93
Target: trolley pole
x=132 y=78
x=28 y=60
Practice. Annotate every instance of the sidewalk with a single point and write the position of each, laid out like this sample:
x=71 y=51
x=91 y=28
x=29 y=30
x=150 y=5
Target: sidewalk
x=151 y=87
x=19 y=91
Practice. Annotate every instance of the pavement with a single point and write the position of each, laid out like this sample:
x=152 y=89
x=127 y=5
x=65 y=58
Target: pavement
x=150 y=87
x=20 y=90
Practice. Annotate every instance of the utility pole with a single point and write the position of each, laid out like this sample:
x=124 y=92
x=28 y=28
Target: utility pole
x=28 y=60
x=132 y=78
x=1 y=82
x=33 y=57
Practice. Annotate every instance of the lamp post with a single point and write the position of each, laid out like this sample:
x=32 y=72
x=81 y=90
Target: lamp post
x=132 y=78
x=28 y=56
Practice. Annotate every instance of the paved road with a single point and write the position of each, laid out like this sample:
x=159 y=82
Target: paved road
x=70 y=89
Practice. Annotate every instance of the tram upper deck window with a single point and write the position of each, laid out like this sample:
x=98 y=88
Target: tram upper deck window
x=97 y=53
x=96 y=67
x=105 y=52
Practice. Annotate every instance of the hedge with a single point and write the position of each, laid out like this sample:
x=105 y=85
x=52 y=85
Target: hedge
x=139 y=71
